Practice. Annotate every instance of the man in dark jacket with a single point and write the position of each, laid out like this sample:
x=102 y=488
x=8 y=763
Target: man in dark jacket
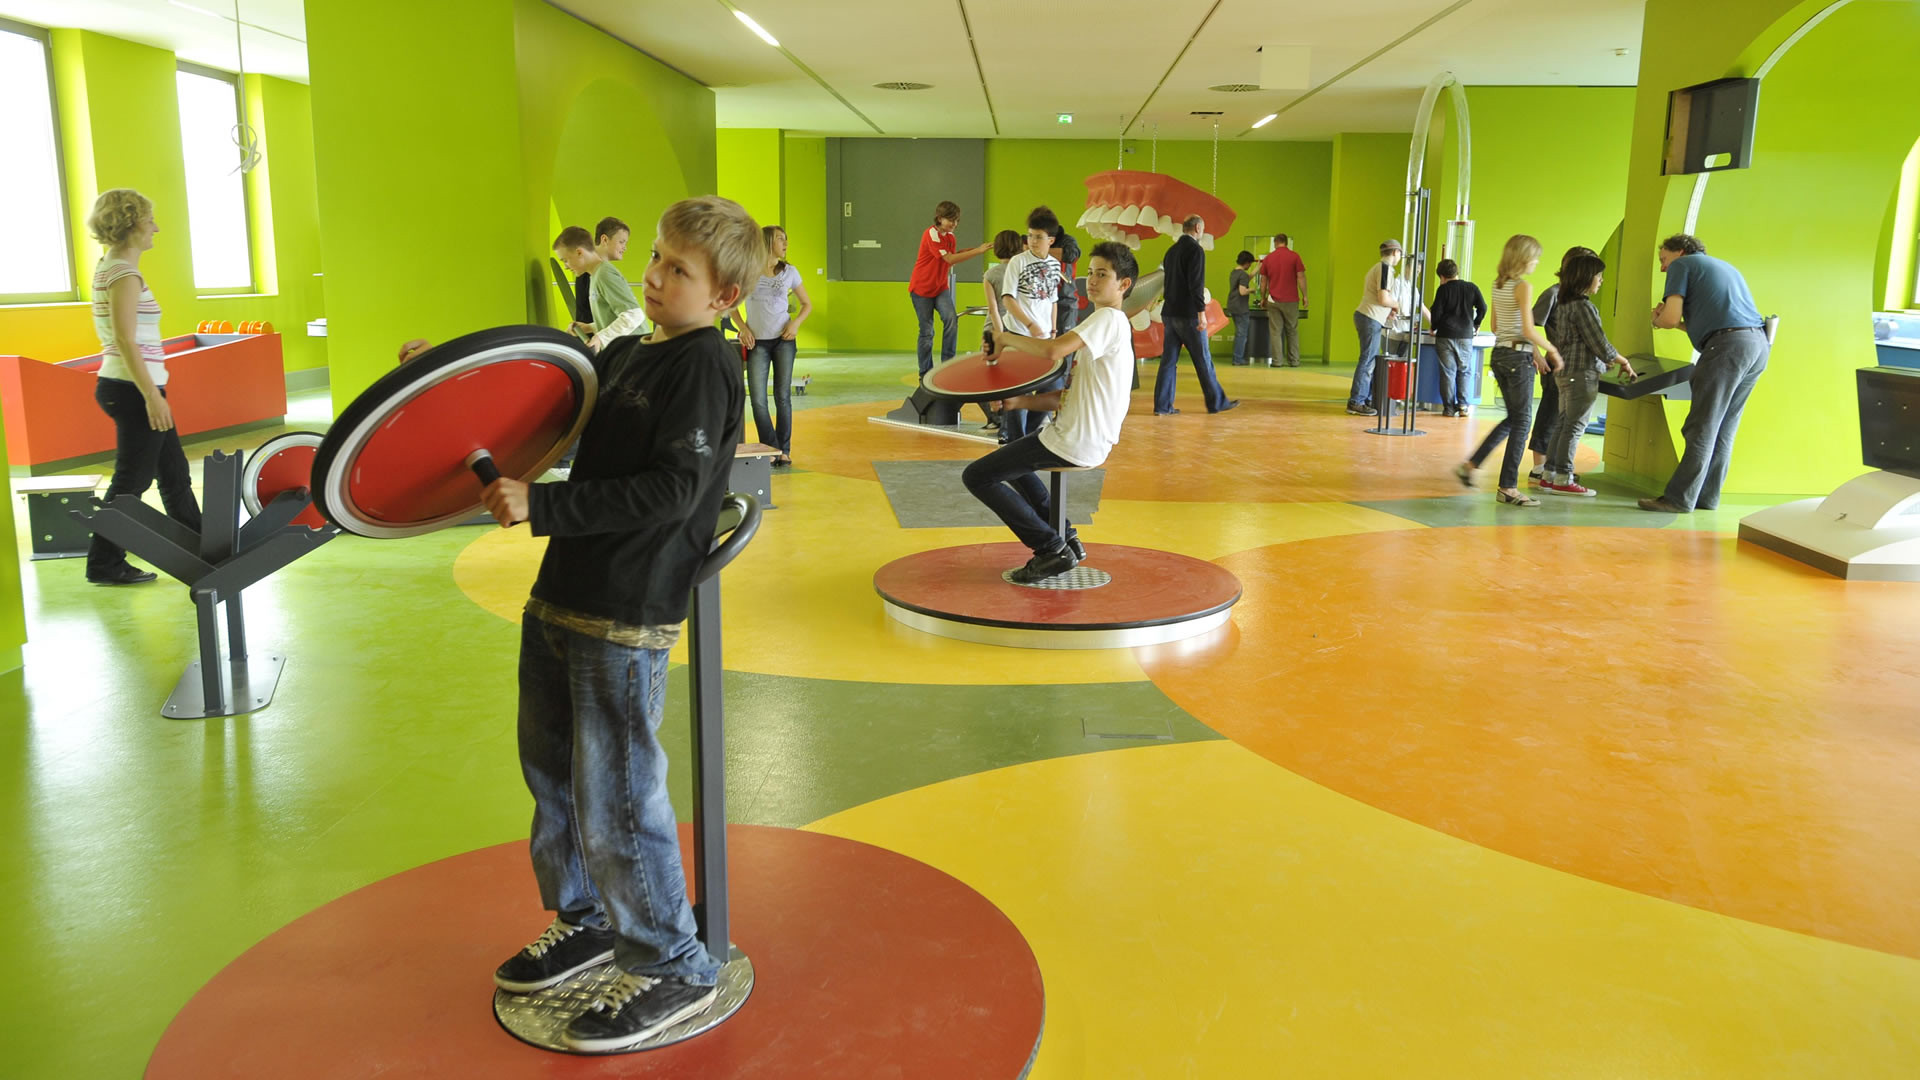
x=1183 y=315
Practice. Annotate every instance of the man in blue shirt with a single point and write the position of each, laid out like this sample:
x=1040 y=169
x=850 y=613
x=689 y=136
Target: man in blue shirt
x=1709 y=299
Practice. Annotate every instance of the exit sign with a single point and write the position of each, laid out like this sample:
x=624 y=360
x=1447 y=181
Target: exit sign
x=1065 y=118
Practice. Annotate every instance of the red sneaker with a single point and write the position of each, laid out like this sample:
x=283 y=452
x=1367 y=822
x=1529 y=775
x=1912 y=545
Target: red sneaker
x=1571 y=487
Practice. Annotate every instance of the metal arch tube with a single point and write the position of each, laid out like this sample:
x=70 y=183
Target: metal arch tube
x=1417 y=155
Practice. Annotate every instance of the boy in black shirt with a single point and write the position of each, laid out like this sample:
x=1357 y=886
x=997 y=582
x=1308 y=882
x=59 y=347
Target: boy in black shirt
x=1458 y=308
x=630 y=527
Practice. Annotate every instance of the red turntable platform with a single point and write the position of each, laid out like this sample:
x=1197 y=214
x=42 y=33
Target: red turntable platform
x=868 y=963
x=1147 y=597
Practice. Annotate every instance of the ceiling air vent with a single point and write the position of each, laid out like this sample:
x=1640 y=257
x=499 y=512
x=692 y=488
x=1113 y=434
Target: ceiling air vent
x=902 y=86
x=1234 y=88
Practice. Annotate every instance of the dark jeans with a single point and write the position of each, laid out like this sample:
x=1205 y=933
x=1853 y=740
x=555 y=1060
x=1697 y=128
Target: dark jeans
x=1242 y=336
x=605 y=843
x=1186 y=330
x=141 y=455
x=1361 y=393
x=779 y=354
x=1723 y=379
x=1006 y=481
x=1018 y=423
x=1513 y=371
x=1578 y=390
x=1547 y=420
x=924 y=308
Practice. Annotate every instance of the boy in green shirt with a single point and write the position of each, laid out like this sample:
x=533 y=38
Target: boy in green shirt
x=616 y=313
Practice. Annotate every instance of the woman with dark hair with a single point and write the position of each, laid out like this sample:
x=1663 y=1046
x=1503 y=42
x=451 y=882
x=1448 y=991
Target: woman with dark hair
x=132 y=384
x=768 y=333
x=1574 y=328
x=1240 y=306
x=1547 y=420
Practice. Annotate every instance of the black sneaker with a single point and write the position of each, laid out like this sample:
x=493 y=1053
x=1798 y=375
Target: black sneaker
x=634 y=1009
x=124 y=574
x=562 y=951
x=1079 y=549
x=1362 y=410
x=1046 y=565
x=1234 y=404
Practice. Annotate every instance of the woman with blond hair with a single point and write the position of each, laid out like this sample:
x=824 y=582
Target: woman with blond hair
x=769 y=334
x=132 y=387
x=1518 y=349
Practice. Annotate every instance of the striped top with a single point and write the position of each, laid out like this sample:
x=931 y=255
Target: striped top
x=146 y=328
x=1506 y=316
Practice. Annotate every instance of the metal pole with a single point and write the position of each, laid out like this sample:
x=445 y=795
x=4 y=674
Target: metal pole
x=709 y=770
x=213 y=693
x=236 y=631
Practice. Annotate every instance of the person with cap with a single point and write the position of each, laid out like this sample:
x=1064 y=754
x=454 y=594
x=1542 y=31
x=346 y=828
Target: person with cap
x=1384 y=296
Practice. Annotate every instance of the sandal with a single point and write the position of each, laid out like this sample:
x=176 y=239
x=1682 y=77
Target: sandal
x=1516 y=499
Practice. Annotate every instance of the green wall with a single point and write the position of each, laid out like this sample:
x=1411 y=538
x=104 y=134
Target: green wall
x=750 y=164
x=1803 y=224
x=604 y=129
x=1367 y=206
x=419 y=175
x=120 y=127
x=803 y=188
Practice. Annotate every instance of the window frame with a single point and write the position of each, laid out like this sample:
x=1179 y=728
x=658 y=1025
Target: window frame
x=252 y=287
x=72 y=292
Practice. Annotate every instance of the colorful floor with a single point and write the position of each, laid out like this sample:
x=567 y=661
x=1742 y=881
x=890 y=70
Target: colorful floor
x=1463 y=791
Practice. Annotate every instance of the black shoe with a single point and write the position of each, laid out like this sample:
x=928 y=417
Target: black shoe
x=1079 y=549
x=124 y=574
x=1362 y=410
x=634 y=1009
x=562 y=951
x=1046 y=565
x=1234 y=404
x=1169 y=412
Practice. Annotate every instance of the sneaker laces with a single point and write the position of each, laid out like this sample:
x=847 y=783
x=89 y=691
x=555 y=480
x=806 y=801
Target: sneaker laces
x=622 y=992
x=551 y=936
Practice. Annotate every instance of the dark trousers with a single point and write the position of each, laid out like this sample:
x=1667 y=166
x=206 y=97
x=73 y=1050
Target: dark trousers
x=1005 y=480
x=1513 y=371
x=1723 y=380
x=141 y=455
x=777 y=354
x=1548 y=418
x=1186 y=330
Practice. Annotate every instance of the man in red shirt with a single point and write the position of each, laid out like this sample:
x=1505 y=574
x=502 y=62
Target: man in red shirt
x=932 y=283
x=1286 y=292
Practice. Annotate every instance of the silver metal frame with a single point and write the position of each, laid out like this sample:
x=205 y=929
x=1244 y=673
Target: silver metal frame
x=257 y=461
x=1026 y=638
x=341 y=504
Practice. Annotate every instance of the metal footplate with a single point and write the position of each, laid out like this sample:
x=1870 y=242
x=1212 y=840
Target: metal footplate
x=1080 y=577
x=541 y=1018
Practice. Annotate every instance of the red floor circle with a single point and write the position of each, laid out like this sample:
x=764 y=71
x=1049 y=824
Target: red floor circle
x=1149 y=588
x=867 y=964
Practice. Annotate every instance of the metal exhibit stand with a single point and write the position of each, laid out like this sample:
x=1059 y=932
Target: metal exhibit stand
x=1415 y=266
x=541 y=1018
x=216 y=563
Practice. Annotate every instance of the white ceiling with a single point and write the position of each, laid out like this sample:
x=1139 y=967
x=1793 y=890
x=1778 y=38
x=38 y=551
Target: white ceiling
x=274 y=32
x=1098 y=59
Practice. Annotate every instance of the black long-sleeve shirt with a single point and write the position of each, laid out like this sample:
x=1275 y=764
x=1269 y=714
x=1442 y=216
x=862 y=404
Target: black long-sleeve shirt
x=1186 y=281
x=1458 y=308
x=635 y=518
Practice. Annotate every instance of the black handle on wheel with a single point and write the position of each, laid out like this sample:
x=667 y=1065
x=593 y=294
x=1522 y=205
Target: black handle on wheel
x=726 y=547
x=481 y=462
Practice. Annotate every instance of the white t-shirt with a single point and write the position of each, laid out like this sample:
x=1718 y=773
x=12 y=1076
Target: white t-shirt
x=1399 y=288
x=146 y=327
x=767 y=303
x=1094 y=407
x=1034 y=283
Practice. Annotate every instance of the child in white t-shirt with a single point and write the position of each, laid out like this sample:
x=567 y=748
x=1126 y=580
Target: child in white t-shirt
x=1090 y=412
x=1032 y=291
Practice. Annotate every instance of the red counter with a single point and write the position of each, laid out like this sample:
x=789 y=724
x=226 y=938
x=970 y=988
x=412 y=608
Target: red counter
x=214 y=381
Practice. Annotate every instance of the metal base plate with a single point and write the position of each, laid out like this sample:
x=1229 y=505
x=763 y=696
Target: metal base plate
x=541 y=1018
x=250 y=686
x=1394 y=431
x=1080 y=577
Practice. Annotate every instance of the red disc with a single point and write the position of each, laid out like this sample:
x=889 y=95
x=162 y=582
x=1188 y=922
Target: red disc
x=282 y=464
x=975 y=378
x=395 y=462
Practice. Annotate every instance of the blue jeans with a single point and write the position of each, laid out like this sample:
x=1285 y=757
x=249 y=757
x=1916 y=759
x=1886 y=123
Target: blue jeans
x=1005 y=480
x=779 y=353
x=1186 y=330
x=924 y=308
x=1723 y=379
x=1242 y=337
x=1456 y=370
x=1513 y=371
x=606 y=845
x=1361 y=394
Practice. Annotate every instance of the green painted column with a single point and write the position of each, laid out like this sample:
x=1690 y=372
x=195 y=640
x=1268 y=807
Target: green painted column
x=1368 y=206
x=416 y=136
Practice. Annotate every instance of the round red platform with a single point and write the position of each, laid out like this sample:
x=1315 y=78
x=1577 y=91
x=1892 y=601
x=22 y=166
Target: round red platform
x=867 y=963
x=1154 y=597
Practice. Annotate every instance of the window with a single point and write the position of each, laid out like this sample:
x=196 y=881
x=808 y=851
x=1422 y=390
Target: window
x=36 y=261
x=216 y=189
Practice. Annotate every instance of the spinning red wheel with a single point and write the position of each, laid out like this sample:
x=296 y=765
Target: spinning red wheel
x=283 y=463
x=978 y=377
x=396 y=462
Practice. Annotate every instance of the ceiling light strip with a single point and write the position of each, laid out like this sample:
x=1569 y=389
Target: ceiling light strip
x=982 y=72
x=814 y=75
x=1169 y=72
x=1370 y=58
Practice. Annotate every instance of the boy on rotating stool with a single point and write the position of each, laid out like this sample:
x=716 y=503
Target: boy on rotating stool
x=630 y=527
x=1085 y=427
